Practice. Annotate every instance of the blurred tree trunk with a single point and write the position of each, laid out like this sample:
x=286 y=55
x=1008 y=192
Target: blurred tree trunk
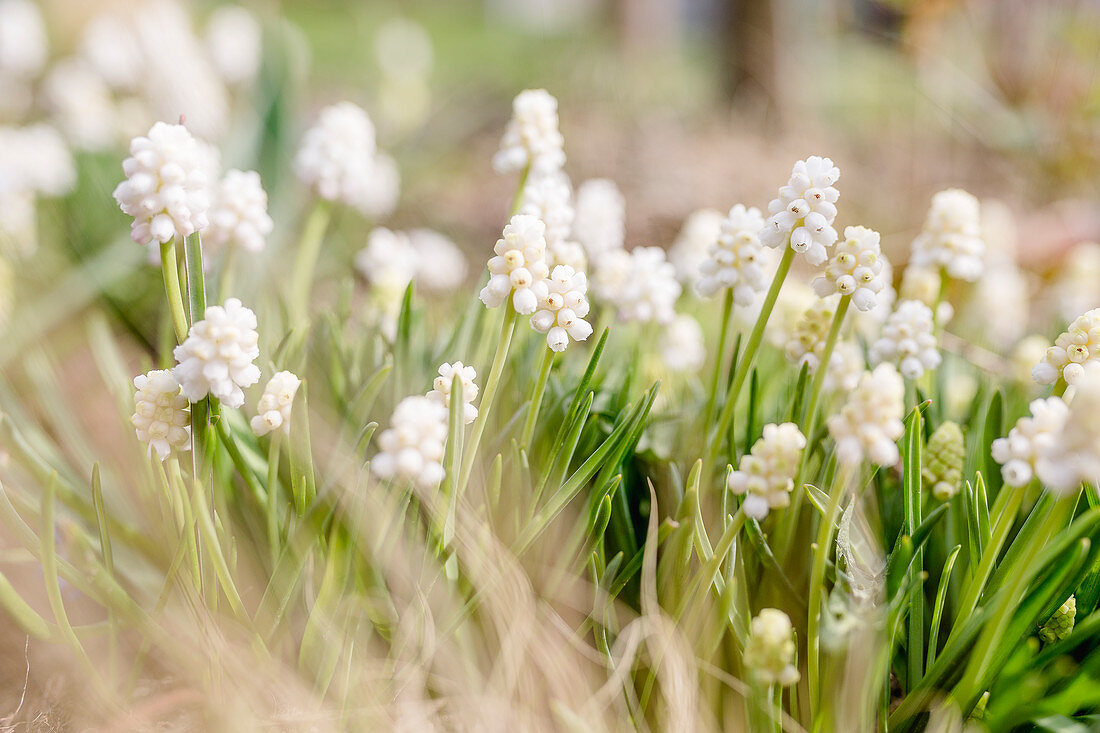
x=647 y=25
x=747 y=43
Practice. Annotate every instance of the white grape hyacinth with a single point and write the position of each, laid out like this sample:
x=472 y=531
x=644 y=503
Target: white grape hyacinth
x=162 y=416
x=548 y=197
x=531 y=139
x=908 y=338
x=235 y=43
x=807 y=340
x=337 y=155
x=275 y=404
x=951 y=236
x=1075 y=454
x=441 y=388
x=412 y=447
x=441 y=265
x=770 y=650
x=238 y=216
x=765 y=476
x=563 y=304
x=166 y=188
x=735 y=259
x=217 y=356
x=81 y=105
x=641 y=284
x=869 y=423
x=24 y=45
x=693 y=243
x=682 y=346
x=855 y=269
x=566 y=253
x=519 y=264
x=804 y=211
x=1072 y=350
x=1031 y=441
x=599 y=217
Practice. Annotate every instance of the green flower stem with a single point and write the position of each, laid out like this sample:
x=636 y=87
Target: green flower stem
x=1060 y=387
x=719 y=358
x=507 y=328
x=171 y=275
x=546 y=360
x=229 y=273
x=810 y=420
x=744 y=365
x=309 y=249
x=517 y=199
x=273 y=496
x=817 y=580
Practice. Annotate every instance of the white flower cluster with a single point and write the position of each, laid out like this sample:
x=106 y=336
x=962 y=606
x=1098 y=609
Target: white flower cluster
x=518 y=266
x=548 y=197
x=845 y=367
x=1031 y=442
x=166 y=188
x=563 y=304
x=693 y=243
x=531 y=139
x=1074 y=290
x=734 y=259
x=392 y=258
x=924 y=284
x=1078 y=346
x=855 y=269
x=275 y=403
x=598 y=220
x=1075 y=458
x=803 y=213
x=23 y=42
x=235 y=43
x=339 y=160
x=908 y=339
x=682 y=346
x=81 y=105
x=951 y=236
x=870 y=420
x=766 y=475
x=806 y=344
x=35 y=160
x=770 y=650
x=162 y=416
x=412 y=447
x=238 y=216
x=217 y=356
x=441 y=388
x=641 y=284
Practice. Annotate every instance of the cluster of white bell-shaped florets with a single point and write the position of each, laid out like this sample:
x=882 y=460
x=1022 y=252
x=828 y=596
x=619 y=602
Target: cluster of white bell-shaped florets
x=599 y=217
x=338 y=158
x=691 y=248
x=234 y=41
x=275 y=404
x=162 y=416
x=531 y=140
x=24 y=45
x=952 y=236
x=1078 y=346
x=734 y=259
x=1075 y=455
x=441 y=388
x=548 y=196
x=845 y=367
x=80 y=104
x=855 y=269
x=908 y=339
x=804 y=211
x=681 y=345
x=563 y=304
x=869 y=423
x=770 y=650
x=640 y=284
x=217 y=356
x=519 y=264
x=238 y=216
x=412 y=448
x=765 y=475
x=166 y=188
x=1031 y=441
x=807 y=339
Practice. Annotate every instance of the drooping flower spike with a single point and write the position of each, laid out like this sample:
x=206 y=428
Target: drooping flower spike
x=804 y=211
x=519 y=264
x=166 y=188
x=275 y=404
x=217 y=356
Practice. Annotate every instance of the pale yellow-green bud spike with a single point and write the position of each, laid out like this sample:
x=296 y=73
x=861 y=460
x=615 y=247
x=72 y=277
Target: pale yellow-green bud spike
x=943 y=461
x=1060 y=625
